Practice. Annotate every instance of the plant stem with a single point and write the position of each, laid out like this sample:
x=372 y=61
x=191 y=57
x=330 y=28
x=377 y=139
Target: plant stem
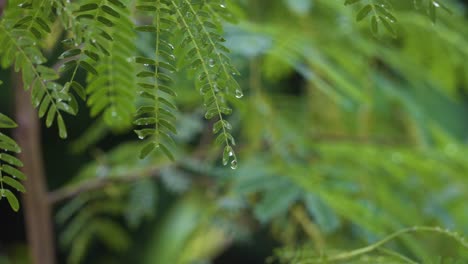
x=39 y=225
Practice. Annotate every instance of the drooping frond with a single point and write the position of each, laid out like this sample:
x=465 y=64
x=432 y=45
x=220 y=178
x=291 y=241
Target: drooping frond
x=20 y=46
x=90 y=218
x=92 y=40
x=112 y=90
x=202 y=44
x=9 y=174
x=381 y=12
x=156 y=117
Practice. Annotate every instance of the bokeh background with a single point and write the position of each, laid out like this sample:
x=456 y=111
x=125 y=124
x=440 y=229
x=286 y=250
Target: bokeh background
x=344 y=136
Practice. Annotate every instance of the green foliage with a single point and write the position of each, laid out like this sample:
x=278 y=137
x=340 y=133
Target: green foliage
x=100 y=41
x=381 y=12
x=346 y=137
x=10 y=176
x=21 y=31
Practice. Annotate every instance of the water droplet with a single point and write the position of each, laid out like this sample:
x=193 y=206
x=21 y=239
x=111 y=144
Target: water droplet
x=171 y=46
x=227 y=125
x=222 y=4
x=211 y=63
x=234 y=164
x=146 y=64
x=141 y=137
x=239 y=93
x=93 y=41
x=436 y=4
x=209 y=115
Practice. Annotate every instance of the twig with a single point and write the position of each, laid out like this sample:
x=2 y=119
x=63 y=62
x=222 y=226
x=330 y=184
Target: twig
x=309 y=227
x=69 y=192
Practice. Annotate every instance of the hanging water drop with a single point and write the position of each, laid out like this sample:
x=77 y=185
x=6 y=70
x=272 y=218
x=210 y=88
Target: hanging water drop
x=222 y=4
x=239 y=93
x=234 y=164
x=211 y=63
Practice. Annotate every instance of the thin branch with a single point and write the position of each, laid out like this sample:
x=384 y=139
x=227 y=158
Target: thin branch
x=309 y=227
x=69 y=192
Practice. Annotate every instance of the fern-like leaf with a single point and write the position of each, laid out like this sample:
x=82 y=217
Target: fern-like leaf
x=381 y=12
x=156 y=117
x=21 y=49
x=112 y=90
x=202 y=42
x=10 y=176
x=92 y=49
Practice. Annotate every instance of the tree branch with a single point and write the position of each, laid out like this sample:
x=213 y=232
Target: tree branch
x=38 y=220
x=69 y=192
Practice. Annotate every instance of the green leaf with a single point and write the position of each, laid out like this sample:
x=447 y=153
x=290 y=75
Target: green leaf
x=363 y=12
x=70 y=53
x=11 y=159
x=166 y=151
x=88 y=67
x=6 y=122
x=12 y=200
x=88 y=7
x=374 y=25
x=432 y=11
x=109 y=10
x=105 y=21
x=13 y=183
x=61 y=126
x=79 y=89
x=51 y=115
x=146 y=150
x=350 y=2
x=13 y=172
x=388 y=26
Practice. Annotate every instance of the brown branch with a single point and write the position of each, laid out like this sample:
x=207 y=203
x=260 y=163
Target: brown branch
x=69 y=192
x=38 y=220
x=2 y=6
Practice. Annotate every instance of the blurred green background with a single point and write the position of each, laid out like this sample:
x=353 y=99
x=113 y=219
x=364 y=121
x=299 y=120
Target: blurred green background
x=343 y=137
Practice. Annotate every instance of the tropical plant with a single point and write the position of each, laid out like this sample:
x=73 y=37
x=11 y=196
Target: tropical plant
x=350 y=135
